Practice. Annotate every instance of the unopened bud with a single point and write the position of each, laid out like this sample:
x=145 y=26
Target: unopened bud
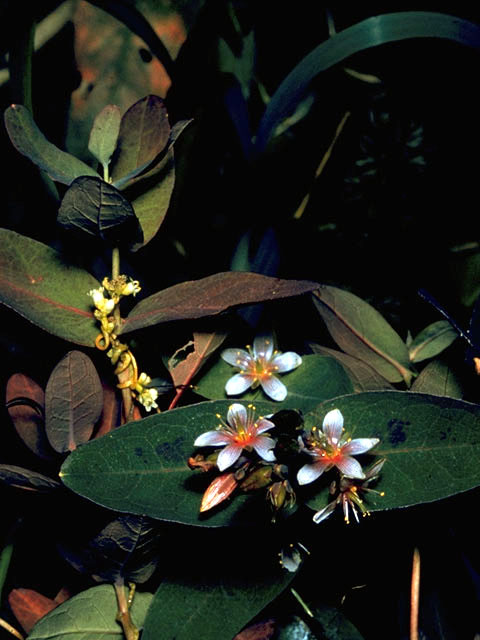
x=257 y=479
x=277 y=494
x=218 y=491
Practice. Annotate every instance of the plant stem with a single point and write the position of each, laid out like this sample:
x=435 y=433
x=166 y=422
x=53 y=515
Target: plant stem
x=5 y=557
x=415 y=595
x=304 y=605
x=123 y=614
x=10 y=629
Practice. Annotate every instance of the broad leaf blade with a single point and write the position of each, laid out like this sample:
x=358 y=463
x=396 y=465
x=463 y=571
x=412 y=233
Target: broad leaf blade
x=38 y=284
x=362 y=332
x=29 y=606
x=210 y=296
x=432 y=341
x=187 y=361
x=27 y=138
x=431 y=445
x=104 y=134
x=438 y=379
x=74 y=401
x=90 y=614
x=142 y=469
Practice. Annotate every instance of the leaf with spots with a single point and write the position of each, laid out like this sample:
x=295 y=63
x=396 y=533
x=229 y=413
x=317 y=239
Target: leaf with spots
x=431 y=445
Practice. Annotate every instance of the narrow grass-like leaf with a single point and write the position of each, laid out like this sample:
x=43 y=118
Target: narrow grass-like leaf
x=40 y=285
x=27 y=138
x=90 y=614
x=73 y=403
x=104 y=134
x=362 y=332
x=210 y=296
x=432 y=341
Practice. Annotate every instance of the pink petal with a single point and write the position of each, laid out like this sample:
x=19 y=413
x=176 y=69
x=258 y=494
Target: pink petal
x=211 y=439
x=359 y=445
x=237 y=415
x=228 y=456
x=310 y=472
x=324 y=513
x=286 y=361
x=333 y=425
x=263 y=446
x=275 y=389
x=350 y=468
x=263 y=347
x=264 y=425
x=238 y=383
x=237 y=358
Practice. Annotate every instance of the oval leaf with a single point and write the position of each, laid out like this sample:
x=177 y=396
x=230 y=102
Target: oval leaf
x=27 y=138
x=438 y=379
x=29 y=606
x=431 y=445
x=104 y=134
x=432 y=341
x=96 y=207
x=45 y=289
x=74 y=400
x=187 y=361
x=27 y=479
x=362 y=332
x=210 y=296
x=90 y=614
x=315 y=380
x=141 y=468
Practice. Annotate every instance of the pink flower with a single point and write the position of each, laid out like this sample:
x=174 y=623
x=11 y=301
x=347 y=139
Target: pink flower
x=240 y=431
x=258 y=367
x=329 y=449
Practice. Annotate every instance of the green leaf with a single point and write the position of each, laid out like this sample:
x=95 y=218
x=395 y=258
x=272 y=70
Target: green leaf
x=142 y=469
x=210 y=296
x=40 y=285
x=438 y=379
x=372 y=32
x=90 y=614
x=96 y=207
x=315 y=380
x=27 y=138
x=104 y=134
x=431 y=445
x=432 y=341
x=362 y=332
x=73 y=402
x=144 y=133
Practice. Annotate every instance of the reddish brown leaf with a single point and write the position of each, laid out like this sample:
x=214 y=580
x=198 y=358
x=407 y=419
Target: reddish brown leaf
x=210 y=296
x=29 y=606
x=259 y=631
x=110 y=417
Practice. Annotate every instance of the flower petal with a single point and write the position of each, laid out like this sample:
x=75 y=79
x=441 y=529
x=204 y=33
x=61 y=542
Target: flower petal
x=237 y=415
x=359 y=445
x=211 y=439
x=350 y=467
x=324 y=513
x=263 y=347
x=275 y=389
x=237 y=358
x=286 y=361
x=263 y=445
x=264 y=425
x=333 y=425
x=310 y=472
x=228 y=456
x=238 y=383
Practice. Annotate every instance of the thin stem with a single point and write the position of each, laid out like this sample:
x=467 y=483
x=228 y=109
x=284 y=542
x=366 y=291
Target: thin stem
x=304 y=605
x=123 y=614
x=177 y=397
x=10 y=629
x=5 y=557
x=415 y=595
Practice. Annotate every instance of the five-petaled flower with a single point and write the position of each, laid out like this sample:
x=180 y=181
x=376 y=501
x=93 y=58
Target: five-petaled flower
x=329 y=449
x=258 y=366
x=240 y=431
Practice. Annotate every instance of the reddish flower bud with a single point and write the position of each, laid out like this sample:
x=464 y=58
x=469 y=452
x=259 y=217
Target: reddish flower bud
x=218 y=491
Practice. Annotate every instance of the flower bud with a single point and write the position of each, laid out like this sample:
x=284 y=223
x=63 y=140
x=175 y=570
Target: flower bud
x=218 y=491
x=257 y=479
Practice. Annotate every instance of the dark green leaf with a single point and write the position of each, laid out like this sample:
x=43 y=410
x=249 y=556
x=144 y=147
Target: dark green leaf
x=315 y=380
x=104 y=134
x=90 y=614
x=372 y=32
x=210 y=296
x=38 y=284
x=362 y=332
x=96 y=207
x=73 y=403
x=432 y=341
x=27 y=479
x=141 y=468
x=30 y=141
x=431 y=445
x=438 y=379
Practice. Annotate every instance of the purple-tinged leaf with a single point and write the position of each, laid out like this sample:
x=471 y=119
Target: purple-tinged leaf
x=74 y=401
x=210 y=296
x=40 y=285
x=27 y=138
x=27 y=479
x=104 y=134
x=362 y=332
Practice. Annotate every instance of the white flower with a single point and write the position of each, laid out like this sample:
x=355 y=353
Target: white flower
x=105 y=305
x=258 y=367
x=240 y=431
x=148 y=397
